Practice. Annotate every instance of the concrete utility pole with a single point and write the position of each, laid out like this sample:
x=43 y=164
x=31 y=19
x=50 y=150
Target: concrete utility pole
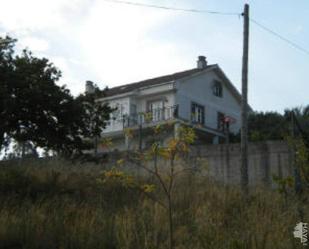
x=244 y=104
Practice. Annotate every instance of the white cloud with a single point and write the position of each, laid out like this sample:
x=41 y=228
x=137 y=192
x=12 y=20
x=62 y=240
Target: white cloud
x=115 y=45
x=34 y=44
x=37 y=14
x=69 y=76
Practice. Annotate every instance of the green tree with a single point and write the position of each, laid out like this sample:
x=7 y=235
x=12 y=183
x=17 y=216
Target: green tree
x=95 y=115
x=267 y=126
x=275 y=126
x=301 y=114
x=34 y=108
x=6 y=69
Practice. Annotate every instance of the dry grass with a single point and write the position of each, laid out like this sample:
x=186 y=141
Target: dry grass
x=62 y=206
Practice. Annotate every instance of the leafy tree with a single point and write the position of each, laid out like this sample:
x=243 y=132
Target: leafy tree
x=34 y=108
x=6 y=69
x=267 y=126
x=301 y=116
x=275 y=126
x=95 y=115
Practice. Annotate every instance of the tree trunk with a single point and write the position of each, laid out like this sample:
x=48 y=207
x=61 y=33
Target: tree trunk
x=170 y=220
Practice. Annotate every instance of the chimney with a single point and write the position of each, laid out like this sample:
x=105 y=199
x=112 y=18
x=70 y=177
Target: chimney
x=89 y=87
x=201 y=62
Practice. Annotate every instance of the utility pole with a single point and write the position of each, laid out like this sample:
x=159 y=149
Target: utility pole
x=244 y=105
x=297 y=178
x=226 y=125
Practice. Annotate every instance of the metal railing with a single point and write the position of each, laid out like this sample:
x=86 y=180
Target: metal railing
x=152 y=116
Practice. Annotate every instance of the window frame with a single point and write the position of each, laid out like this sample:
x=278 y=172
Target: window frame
x=156 y=113
x=198 y=118
x=217 y=89
x=220 y=121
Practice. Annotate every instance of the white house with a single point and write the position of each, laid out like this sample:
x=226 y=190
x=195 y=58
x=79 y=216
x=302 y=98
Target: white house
x=202 y=97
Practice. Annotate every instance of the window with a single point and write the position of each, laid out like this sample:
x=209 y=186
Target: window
x=156 y=110
x=197 y=113
x=133 y=109
x=117 y=114
x=220 y=121
x=217 y=89
x=133 y=117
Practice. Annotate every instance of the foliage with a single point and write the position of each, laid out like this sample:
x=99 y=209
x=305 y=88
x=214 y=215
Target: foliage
x=285 y=185
x=95 y=115
x=106 y=143
x=302 y=113
x=33 y=108
x=273 y=125
x=128 y=132
x=298 y=145
x=165 y=174
x=267 y=126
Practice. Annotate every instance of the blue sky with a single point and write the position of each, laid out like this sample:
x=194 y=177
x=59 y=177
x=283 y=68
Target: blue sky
x=113 y=44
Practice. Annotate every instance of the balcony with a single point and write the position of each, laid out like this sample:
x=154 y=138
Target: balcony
x=151 y=117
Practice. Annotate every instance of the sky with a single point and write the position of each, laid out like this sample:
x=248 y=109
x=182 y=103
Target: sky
x=113 y=44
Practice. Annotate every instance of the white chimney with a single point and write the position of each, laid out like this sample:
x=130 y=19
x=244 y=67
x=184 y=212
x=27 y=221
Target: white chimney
x=89 y=87
x=201 y=62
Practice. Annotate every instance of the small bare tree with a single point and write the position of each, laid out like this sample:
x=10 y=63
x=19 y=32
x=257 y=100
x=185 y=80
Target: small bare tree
x=164 y=164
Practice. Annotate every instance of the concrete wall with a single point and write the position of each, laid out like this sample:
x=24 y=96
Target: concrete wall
x=222 y=162
x=265 y=160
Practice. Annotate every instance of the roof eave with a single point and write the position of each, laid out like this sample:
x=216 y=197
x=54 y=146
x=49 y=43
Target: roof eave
x=135 y=92
x=199 y=72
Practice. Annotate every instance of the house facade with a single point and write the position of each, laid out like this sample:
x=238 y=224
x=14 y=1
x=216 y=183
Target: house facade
x=202 y=97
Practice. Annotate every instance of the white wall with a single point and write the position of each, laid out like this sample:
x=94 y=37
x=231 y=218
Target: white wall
x=140 y=99
x=168 y=99
x=199 y=89
x=123 y=108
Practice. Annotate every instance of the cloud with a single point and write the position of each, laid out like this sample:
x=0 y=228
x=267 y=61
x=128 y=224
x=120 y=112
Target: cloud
x=34 y=44
x=115 y=45
x=37 y=14
x=68 y=69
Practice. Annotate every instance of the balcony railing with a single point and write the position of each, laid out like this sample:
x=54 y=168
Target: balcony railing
x=152 y=116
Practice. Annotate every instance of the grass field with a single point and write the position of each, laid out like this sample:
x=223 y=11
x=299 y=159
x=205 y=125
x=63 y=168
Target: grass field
x=59 y=205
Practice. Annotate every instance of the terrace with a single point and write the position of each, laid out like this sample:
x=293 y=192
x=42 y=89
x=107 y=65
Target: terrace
x=150 y=118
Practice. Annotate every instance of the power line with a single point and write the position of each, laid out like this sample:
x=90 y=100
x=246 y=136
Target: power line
x=173 y=8
x=293 y=44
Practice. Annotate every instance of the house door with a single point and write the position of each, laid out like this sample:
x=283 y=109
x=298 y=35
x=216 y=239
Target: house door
x=156 y=110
